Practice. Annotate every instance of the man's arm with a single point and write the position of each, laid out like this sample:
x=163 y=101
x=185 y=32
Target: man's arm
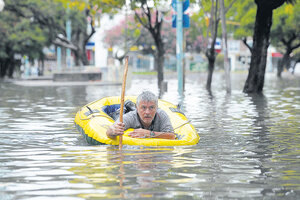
x=143 y=133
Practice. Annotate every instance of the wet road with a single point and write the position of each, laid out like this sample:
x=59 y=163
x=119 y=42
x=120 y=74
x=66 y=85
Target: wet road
x=248 y=149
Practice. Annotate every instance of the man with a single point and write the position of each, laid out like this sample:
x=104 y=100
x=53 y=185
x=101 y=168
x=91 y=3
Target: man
x=148 y=121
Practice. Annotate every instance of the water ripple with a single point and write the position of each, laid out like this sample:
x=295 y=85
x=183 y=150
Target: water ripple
x=249 y=146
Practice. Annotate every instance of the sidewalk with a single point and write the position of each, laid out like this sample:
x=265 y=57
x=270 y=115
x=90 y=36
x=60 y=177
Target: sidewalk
x=38 y=83
x=66 y=78
x=48 y=81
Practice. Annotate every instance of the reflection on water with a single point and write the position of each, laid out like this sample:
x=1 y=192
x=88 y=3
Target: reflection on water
x=249 y=146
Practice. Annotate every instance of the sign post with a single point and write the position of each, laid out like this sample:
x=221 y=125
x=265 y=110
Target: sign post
x=180 y=21
x=179 y=46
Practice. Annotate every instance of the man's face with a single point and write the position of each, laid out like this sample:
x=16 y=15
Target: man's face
x=146 y=111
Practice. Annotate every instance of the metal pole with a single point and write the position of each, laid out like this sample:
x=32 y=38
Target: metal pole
x=58 y=58
x=179 y=45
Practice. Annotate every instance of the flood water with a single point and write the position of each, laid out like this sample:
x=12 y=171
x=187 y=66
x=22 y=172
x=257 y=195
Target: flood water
x=249 y=145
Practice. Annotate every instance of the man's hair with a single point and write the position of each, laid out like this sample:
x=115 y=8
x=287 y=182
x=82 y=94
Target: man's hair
x=148 y=97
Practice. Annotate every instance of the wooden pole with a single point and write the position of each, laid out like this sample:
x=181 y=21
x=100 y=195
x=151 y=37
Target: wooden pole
x=122 y=98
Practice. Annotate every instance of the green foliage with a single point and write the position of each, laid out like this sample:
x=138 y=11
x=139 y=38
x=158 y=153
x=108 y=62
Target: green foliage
x=245 y=12
x=286 y=25
x=94 y=6
x=26 y=35
x=24 y=28
x=202 y=23
x=286 y=16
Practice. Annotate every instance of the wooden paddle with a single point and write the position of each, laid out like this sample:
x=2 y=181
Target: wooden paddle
x=122 y=98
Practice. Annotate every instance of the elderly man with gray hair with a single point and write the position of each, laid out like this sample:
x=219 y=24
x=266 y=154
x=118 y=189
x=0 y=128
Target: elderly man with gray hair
x=148 y=121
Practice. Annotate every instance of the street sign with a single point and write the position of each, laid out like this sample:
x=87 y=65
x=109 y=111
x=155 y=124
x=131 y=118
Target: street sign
x=174 y=4
x=185 y=4
x=185 y=17
x=185 y=21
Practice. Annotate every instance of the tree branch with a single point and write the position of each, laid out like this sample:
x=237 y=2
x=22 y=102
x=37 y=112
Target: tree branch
x=149 y=17
x=226 y=10
x=247 y=45
x=92 y=32
x=59 y=42
x=140 y=20
x=296 y=46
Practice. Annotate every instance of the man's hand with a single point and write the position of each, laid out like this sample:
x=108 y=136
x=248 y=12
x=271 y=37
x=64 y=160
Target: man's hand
x=116 y=129
x=140 y=133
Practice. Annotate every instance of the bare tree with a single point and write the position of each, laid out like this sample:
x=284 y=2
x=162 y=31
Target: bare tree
x=151 y=19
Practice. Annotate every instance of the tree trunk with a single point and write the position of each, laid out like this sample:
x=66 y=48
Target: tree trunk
x=256 y=75
x=284 y=62
x=294 y=66
x=159 y=54
x=211 y=67
x=41 y=65
x=2 y=68
x=155 y=31
x=80 y=57
x=80 y=54
x=80 y=39
x=11 y=68
x=210 y=52
x=159 y=62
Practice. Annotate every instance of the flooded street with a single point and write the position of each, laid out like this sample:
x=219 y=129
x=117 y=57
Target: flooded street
x=249 y=145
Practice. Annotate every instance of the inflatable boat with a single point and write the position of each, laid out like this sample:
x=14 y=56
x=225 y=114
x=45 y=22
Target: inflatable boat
x=93 y=119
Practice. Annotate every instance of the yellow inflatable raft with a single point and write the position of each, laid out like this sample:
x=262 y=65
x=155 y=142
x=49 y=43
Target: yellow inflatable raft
x=93 y=120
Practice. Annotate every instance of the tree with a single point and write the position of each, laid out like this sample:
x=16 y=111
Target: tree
x=204 y=31
x=295 y=59
x=46 y=22
x=285 y=33
x=82 y=15
x=150 y=18
x=207 y=20
x=125 y=35
x=129 y=32
x=263 y=22
x=20 y=34
x=244 y=13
